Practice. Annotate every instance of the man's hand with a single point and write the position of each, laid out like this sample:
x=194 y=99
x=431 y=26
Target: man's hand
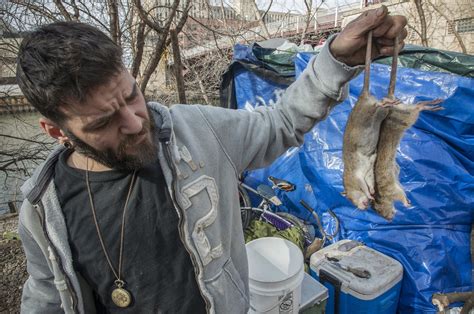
x=350 y=45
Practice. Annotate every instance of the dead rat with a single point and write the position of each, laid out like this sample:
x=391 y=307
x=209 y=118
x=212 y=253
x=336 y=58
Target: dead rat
x=360 y=141
x=387 y=186
x=400 y=117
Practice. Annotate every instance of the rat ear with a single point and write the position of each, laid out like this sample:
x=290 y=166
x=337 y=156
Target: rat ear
x=53 y=130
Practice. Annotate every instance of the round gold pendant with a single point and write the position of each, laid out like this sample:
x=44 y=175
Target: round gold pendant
x=121 y=297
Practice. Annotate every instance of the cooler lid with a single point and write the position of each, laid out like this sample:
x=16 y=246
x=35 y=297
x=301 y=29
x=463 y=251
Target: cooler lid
x=363 y=272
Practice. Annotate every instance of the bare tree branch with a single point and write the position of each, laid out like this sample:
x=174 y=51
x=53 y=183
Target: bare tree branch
x=35 y=8
x=153 y=25
x=261 y=22
x=267 y=10
x=139 y=47
x=24 y=139
x=414 y=29
x=421 y=16
x=163 y=39
x=76 y=10
x=114 y=21
x=63 y=10
x=451 y=25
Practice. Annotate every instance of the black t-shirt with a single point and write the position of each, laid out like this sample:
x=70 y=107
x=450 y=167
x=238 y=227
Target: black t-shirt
x=156 y=267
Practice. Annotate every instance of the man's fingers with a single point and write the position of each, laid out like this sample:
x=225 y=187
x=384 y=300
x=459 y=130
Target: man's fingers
x=391 y=27
x=349 y=45
x=384 y=41
x=383 y=28
x=399 y=24
x=369 y=20
x=404 y=34
x=388 y=50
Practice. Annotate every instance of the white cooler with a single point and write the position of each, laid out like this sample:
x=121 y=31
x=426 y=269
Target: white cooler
x=359 y=279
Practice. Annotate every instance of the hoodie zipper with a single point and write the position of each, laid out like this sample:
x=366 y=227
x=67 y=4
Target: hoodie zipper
x=55 y=252
x=167 y=153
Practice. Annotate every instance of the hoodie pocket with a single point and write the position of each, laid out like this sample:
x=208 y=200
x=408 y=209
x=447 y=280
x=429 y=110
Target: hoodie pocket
x=228 y=290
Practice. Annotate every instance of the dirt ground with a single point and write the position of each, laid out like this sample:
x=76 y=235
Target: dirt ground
x=12 y=266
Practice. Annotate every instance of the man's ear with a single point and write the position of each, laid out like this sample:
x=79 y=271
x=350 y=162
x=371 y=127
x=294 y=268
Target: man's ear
x=53 y=130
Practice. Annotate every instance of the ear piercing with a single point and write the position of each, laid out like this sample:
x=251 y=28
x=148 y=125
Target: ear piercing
x=68 y=145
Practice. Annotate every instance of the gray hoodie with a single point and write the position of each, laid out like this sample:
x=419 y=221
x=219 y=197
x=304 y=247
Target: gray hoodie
x=202 y=150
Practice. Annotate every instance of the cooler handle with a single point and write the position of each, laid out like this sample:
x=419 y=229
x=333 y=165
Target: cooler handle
x=325 y=276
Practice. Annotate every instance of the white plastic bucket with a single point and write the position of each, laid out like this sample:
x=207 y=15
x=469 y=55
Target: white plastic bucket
x=276 y=272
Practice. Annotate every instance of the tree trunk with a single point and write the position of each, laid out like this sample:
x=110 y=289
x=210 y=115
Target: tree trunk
x=178 y=73
x=421 y=14
x=139 y=47
x=114 y=21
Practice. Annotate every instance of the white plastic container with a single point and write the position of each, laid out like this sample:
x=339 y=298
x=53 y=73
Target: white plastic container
x=275 y=275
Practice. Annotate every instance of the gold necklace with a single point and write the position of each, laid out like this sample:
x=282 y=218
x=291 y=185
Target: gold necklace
x=120 y=296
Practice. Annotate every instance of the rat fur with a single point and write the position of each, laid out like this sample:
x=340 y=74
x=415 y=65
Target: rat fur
x=387 y=186
x=360 y=141
x=399 y=118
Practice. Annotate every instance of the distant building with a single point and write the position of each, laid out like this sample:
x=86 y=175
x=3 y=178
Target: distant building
x=9 y=44
x=244 y=9
x=11 y=97
x=444 y=20
x=204 y=16
x=208 y=24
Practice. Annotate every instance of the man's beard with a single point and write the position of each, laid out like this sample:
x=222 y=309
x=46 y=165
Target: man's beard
x=120 y=160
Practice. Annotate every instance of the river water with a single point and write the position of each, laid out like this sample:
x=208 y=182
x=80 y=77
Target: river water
x=23 y=145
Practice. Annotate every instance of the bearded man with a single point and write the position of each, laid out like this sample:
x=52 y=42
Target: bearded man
x=137 y=211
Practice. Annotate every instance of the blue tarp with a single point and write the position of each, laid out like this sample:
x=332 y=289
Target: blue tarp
x=436 y=156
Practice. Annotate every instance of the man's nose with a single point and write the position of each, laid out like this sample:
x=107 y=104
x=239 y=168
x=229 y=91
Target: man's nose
x=131 y=123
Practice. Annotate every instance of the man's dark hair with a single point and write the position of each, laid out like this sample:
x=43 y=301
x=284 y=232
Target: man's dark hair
x=63 y=62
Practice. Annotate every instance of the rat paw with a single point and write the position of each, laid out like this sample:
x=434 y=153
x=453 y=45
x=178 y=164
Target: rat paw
x=431 y=105
x=388 y=215
x=363 y=205
x=388 y=102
